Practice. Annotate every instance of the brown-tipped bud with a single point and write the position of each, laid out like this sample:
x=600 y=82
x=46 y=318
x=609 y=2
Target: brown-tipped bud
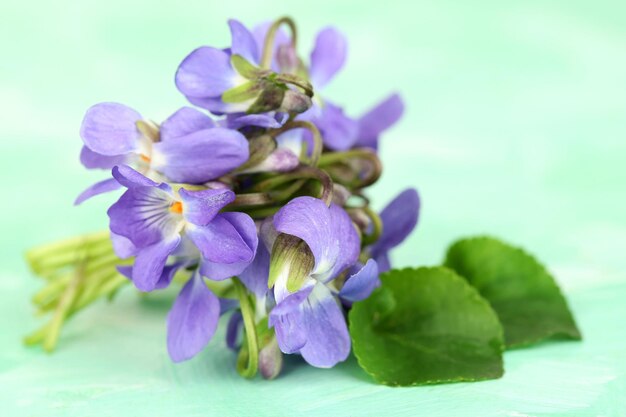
x=295 y=102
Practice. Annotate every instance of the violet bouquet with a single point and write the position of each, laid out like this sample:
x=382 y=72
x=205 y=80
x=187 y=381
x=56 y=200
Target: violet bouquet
x=253 y=202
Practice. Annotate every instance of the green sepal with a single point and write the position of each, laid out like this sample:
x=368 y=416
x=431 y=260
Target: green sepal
x=523 y=293
x=290 y=256
x=243 y=92
x=245 y=68
x=426 y=326
x=270 y=98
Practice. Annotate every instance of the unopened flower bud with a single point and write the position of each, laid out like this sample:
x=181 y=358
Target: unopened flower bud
x=295 y=102
x=291 y=262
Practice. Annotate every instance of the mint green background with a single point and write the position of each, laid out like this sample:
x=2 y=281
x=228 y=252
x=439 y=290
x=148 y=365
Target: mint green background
x=514 y=127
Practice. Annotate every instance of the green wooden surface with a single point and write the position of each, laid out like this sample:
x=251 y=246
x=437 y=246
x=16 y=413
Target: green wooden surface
x=514 y=127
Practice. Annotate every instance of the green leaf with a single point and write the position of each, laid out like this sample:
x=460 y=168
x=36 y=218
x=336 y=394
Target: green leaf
x=525 y=296
x=426 y=326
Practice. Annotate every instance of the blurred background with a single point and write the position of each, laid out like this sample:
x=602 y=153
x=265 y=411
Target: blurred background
x=514 y=122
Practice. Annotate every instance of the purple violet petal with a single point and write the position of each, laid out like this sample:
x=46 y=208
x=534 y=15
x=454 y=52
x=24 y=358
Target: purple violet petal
x=309 y=219
x=143 y=215
x=130 y=178
x=200 y=156
x=338 y=130
x=98 y=188
x=399 y=219
x=243 y=42
x=150 y=263
x=122 y=246
x=227 y=244
x=205 y=72
x=110 y=129
x=255 y=276
x=200 y=207
x=286 y=319
x=328 y=56
x=328 y=232
x=167 y=275
x=327 y=337
x=185 y=121
x=379 y=119
x=94 y=160
x=383 y=261
x=259 y=120
x=192 y=321
x=360 y=285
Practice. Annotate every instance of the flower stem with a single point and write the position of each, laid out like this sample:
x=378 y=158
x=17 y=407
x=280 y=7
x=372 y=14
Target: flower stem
x=377 y=228
x=318 y=143
x=302 y=173
x=248 y=368
x=358 y=153
x=268 y=45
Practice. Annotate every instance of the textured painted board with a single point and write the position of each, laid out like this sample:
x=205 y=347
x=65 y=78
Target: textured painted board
x=514 y=127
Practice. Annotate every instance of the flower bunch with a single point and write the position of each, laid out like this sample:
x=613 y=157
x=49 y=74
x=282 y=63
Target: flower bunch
x=253 y=202
x=253 y=199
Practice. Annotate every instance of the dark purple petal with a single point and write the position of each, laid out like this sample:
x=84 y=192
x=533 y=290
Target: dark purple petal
x=142 y=214
x=227 y=244
x=122 y=246
x=192 y=321
x=328 y=232
x=327 y=337
x=205 y=72
x=345 y=234
x=234 y=331
x=94 y=160
x=167 y=275
x=259 y=120
x=255 y=276
x=399 y=218
x=338 y=130
x=201 y=156
x=243 y=42
x=200 y=207
x=150 y=263
x=309 y=219
x=360 y=285
x=383 y=261
x=328 y=56
x=100 y=187
x=185 y=121
x=130 y=178
x=110 y=129
x=377 y=120
x=287 y=320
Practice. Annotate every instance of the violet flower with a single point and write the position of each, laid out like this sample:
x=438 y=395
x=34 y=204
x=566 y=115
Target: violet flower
x=157 y=221
x=207 y=73
x=310 y=321
x=189 y=147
